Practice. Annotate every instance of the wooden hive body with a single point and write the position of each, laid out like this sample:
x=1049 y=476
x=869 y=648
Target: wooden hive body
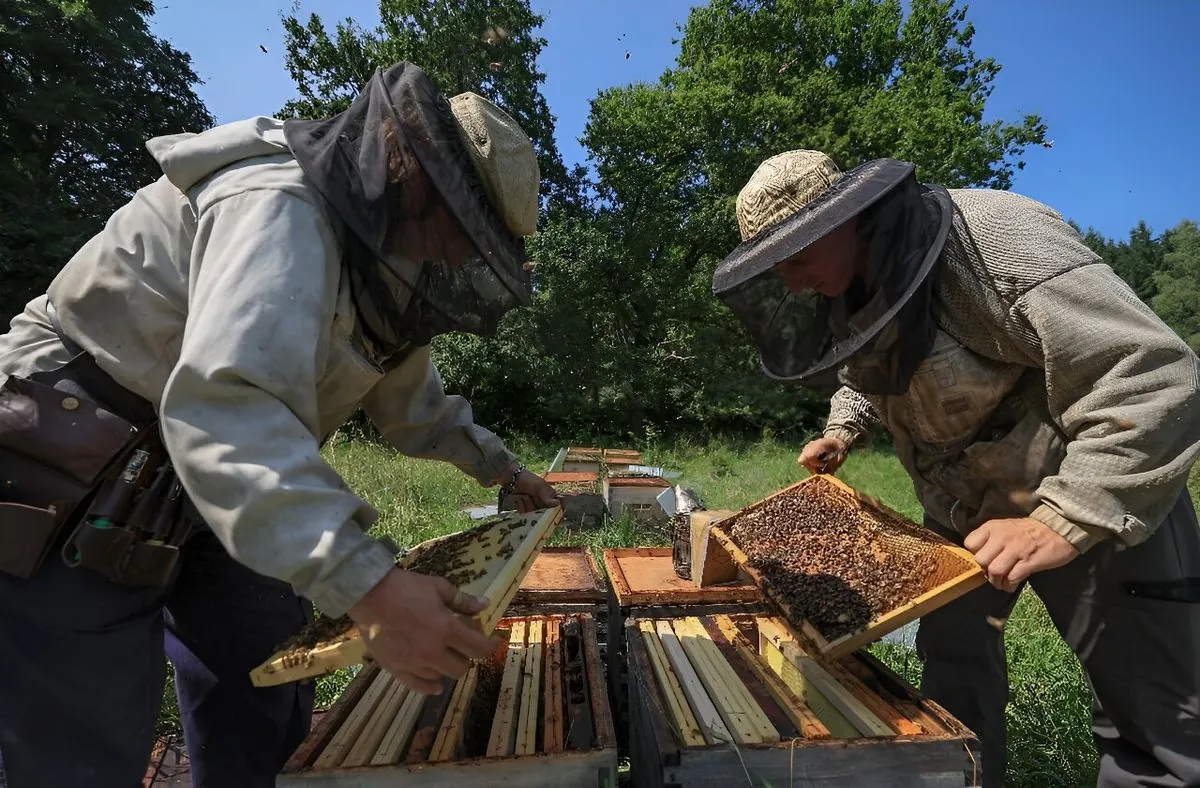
x=535 y=714
x=635 y=495
x=718 y=700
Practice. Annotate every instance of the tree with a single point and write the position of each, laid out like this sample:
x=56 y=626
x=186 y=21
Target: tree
x=854 y=78
x=83 y=85
x=486 y=46
x=1178 y=283
x=624 y=337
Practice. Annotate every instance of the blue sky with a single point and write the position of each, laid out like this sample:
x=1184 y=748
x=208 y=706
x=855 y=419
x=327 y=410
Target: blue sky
x=1117 y=81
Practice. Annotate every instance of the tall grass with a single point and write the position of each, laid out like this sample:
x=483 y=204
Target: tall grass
x=1049 y=712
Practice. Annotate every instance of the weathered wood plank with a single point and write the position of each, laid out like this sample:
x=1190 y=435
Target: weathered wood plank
x=552 y=705
x=738 y=719
x=503 y=734
x=758 y=716
x=373 y=732
x=806 y=721
x=702 y=705
x=526 y=739
x=602 y=721
x=753 y=684
x=324 y=730
x=430 y=722
x=851 y=707
x=676 y=702
x=335 y=752
x=839 y=727
x=392 y=745
x=450 y=736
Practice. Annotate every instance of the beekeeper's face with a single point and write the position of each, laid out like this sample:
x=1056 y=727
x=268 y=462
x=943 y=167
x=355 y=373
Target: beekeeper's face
x=827 y=266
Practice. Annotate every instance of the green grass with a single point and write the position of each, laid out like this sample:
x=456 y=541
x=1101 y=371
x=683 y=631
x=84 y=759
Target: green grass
x=1049 y=712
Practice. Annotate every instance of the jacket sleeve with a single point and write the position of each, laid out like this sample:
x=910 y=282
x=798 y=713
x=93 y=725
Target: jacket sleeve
x=239 y=412
x=1122 y=387
x=851 y=416
x=415 y=414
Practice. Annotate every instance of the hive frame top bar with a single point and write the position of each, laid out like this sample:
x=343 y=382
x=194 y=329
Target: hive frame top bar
x=499 y=585
x=807 y=634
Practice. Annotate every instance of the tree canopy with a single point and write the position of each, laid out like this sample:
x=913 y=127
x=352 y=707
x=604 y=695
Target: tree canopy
x=83 y=85
x=624 y=337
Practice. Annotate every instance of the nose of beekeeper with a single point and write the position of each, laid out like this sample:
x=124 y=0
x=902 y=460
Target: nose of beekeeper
x=827 y=266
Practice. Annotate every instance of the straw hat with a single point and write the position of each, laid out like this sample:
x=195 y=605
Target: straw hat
x=781 y=186
x=504 y=158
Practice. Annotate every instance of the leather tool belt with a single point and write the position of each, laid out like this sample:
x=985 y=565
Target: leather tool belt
x=83 y=456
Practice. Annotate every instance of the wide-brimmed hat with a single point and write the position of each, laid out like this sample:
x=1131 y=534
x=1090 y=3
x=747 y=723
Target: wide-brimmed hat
x=481 y=168
x=794 y=199
x=504 y=157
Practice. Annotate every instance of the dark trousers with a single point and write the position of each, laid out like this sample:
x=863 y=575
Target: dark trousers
x=82 y=673
x=1141 y=657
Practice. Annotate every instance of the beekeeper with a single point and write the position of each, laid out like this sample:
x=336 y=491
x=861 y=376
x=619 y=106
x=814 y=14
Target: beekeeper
x=163 y=408
x=1047 y=417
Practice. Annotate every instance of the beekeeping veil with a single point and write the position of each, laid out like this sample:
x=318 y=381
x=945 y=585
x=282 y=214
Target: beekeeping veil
x=875 y=334
x=478 y=175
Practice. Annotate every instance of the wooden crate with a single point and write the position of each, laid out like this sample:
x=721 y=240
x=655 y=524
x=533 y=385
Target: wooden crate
x=535 y=714
x=953 y=571
x=733 y=700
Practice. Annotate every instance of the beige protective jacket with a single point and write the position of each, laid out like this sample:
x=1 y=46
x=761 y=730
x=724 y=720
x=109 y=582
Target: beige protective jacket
x=1052 y=392
x=217 y=293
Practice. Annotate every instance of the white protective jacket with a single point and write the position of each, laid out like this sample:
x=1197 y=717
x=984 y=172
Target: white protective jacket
x=217 y=293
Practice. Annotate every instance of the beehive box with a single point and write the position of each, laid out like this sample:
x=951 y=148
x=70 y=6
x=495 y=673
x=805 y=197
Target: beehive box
x=594 y=459
x=535 y=714
x=561 y=577
x=636 y=496
x=644 y=578
x=583 y=498
x=722 y=700
x=567 y=580
x=842 y=567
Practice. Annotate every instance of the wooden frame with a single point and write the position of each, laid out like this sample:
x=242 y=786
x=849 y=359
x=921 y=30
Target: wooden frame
x=499 y=583
x=586 y=584
x=971 y=577
x=936 y=751
x=595 y=764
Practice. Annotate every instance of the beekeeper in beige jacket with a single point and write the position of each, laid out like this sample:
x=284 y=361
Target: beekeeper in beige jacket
x=1047 y=417
x=277 y=277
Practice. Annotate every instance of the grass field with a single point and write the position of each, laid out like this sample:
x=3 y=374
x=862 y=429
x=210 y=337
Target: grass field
x=1049 y=712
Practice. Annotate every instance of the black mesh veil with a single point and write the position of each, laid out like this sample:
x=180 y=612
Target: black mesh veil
x=875 y=334
x=425 y=251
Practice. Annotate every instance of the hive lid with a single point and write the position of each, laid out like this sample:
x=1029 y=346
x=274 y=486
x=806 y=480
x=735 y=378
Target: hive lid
x=646 y=576
x=563 y=575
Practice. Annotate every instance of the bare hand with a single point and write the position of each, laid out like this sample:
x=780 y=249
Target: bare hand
x=531 y=492
x=1012 y=550
x=824 y=455
x=410 y=624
